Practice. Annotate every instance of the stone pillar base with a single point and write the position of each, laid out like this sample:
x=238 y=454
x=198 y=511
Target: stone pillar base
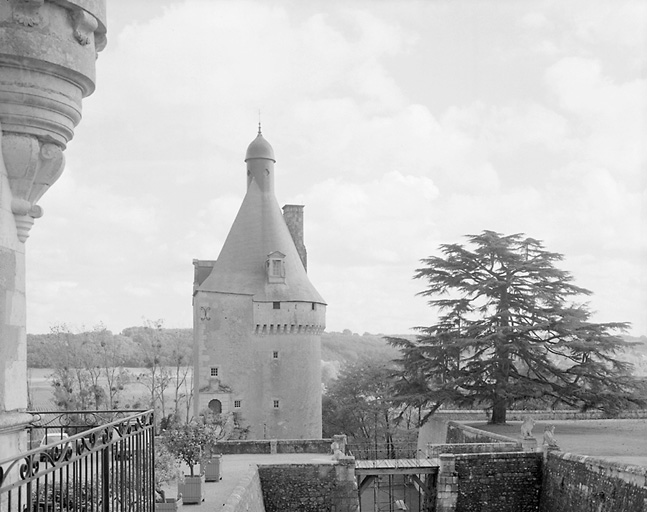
x=13 y=433
x=447 y=486
x=529 y=444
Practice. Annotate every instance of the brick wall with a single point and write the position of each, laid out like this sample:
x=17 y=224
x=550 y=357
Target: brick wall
x=247 y=496
x=497 y=482
x=577 y=483
x=458 y=433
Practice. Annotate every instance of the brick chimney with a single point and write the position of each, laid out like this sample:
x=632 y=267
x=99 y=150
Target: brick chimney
x=293 y=216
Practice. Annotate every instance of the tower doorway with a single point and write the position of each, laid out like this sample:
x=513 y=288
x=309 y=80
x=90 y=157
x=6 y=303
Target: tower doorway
x=215 y=406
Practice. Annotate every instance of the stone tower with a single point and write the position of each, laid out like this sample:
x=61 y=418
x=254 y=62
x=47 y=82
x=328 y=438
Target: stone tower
x=257 y=319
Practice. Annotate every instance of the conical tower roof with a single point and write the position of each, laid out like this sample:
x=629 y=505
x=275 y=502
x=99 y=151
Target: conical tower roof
x=258 y=231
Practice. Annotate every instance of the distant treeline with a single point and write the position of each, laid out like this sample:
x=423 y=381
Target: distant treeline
x=336 y=347
x=43 y=349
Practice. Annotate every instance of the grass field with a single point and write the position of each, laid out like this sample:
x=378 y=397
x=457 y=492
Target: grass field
x=617 y=440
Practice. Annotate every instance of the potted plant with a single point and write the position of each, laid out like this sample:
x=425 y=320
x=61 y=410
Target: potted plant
x=187 y=442
x=218 y=427
x=166 y=471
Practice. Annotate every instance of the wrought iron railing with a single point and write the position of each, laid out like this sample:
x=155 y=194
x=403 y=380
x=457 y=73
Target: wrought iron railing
x=81 y=468
x=60 y=423
x=373 y=451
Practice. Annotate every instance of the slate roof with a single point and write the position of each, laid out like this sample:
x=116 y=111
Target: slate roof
x=259 y=230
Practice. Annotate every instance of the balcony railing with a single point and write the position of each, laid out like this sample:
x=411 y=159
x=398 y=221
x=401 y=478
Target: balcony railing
x=83 y=468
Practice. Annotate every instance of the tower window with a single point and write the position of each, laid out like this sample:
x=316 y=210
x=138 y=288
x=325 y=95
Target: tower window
x=237 y=404
x=214 y=371
x=275 y=354
x=313 y=306
x=276 y=404
x=276 y=305
x=276 y=267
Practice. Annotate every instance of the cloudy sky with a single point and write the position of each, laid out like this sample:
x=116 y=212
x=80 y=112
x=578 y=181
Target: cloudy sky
x=400 y=125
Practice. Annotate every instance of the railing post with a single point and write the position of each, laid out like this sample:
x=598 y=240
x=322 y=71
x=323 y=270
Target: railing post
x=105 y=479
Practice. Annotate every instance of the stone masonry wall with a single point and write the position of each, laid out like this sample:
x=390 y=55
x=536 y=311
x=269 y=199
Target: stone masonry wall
x=247 y=496
x=458 y=433
x=273 y=446
x=577 y=483
x=498 y=482
x=310 y=487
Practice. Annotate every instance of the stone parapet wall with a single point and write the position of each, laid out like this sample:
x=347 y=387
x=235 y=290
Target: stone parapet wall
x=577 y=483
x=461 y=434
x=570 y=414
x=248 y=495
x=310 y=487
x=498 y=482
x=434 y=450
x=303 y=445
x=435 y=429
x=273 y=446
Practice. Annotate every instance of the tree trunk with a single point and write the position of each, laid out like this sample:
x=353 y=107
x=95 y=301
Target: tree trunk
x=499 y=410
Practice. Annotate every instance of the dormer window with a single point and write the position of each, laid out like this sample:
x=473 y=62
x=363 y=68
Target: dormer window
x=275 y=267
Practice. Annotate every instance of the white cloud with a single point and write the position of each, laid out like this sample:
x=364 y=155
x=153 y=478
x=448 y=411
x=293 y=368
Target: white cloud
x=387 y=169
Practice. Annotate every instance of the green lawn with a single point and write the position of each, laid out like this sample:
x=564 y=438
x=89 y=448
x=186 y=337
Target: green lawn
x=618 y=440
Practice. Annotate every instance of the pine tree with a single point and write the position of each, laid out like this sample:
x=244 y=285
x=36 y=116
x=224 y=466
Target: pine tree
x=508 y=331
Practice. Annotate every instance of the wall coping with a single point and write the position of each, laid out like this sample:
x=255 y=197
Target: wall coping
x=498 y=438
x=499 y=455
x=519 y=415
x=630 y=473
x=241 y=489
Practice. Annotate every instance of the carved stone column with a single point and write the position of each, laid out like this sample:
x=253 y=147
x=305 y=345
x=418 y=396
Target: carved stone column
x=48 y=50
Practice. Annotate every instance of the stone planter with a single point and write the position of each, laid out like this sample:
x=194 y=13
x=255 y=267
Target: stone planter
x=170 y=505
x=211 y=469
x=192 y=490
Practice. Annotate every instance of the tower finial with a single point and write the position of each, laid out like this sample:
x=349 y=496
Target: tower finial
x=259 y=121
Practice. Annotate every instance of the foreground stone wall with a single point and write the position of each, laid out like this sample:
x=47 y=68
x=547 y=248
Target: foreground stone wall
x=577 y=483
x=310 y=487
x=458 y=433
x=248 y=495
x=498 y=482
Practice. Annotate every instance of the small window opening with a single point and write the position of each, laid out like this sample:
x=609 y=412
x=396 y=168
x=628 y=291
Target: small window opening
x=214 y=371
x=276 y=305
x=313 y=306
x=237 y=404
x=275 y=354
x=276 y=404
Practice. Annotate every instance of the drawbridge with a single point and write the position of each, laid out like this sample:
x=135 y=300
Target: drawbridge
x=391 y=485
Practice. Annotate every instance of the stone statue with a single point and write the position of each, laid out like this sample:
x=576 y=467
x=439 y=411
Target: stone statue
x=549 y=437
x=338 y=446
x=336 y=449
x=526 y=428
